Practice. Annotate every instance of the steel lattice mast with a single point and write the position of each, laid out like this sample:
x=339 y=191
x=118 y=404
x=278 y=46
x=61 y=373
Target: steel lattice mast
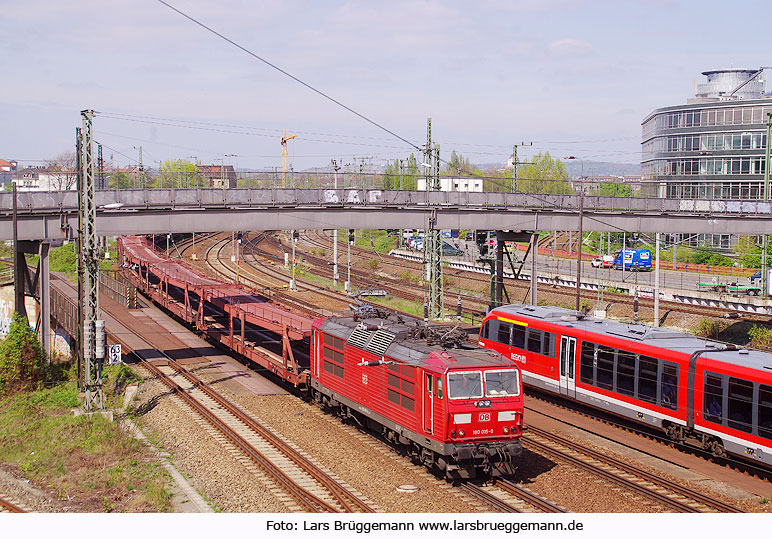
x=433 y=237
x=89 y=261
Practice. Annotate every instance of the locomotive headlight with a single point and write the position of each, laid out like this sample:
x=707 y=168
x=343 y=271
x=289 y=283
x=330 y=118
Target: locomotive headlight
x=506 y=430
x=461 y=433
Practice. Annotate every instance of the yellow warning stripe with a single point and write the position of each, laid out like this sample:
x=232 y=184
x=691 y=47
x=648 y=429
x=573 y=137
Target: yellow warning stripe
x=512 y=321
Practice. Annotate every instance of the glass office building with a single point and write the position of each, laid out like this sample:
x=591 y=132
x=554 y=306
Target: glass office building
x=713 y=147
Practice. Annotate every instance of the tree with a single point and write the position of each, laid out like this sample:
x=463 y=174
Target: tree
x=61 y=171
x=458 y=166
x=612 y=190
x=21 y=358
x=543 y=175
x=404 y=178
x=178 y=173
x=120 y=180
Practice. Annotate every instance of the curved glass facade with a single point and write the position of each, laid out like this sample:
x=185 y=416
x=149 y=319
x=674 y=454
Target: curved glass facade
x=713 y=147
x=706 y=150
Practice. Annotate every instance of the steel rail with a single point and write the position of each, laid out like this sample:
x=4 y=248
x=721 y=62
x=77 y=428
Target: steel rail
x=11 y=508
x=663 y=499
x=533 y=499
x=306 y=498
x=339 y=493
x=488 y=498
x=643 y=474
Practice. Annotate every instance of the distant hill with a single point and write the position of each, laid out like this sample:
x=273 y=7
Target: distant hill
x=602 y=168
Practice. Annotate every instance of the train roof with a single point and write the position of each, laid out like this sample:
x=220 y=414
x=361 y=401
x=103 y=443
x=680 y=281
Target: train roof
x=412 y=342
x=668 y=339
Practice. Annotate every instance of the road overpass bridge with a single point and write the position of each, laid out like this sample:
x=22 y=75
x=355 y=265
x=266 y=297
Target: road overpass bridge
x=54 y=215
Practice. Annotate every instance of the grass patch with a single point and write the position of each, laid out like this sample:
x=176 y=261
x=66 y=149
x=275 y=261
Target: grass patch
x=709 y=329
x=88 y=460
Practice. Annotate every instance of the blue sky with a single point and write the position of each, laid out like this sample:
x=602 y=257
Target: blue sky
x=573 y=77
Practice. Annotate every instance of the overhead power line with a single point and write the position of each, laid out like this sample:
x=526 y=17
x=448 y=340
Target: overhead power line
x=293 y=77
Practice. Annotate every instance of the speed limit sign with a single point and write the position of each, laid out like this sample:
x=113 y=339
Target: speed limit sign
x=115 y=354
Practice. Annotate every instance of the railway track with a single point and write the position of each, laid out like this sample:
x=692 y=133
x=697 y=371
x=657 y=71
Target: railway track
x=570 y=294
x=264 y=281
x=310 y=488
x=662 y=491
x=746 y=468
x=8 y=507
x=508 y=497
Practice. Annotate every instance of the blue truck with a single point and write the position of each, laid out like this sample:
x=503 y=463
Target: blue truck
x=633 y=259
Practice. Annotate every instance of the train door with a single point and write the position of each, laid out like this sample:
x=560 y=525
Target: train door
x=567 y=362
x=428 y=403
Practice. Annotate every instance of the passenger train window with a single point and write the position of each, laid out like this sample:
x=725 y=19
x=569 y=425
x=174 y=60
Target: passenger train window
x=740 y=404
x=647 y=378
x=504 y=332
x=534 y=341
x=518 y=337
x=765 y=411
x=605 y=374
x=485 y=331
x=713 y=398
x=587 y=363
x=625 y=372
x=669 y=398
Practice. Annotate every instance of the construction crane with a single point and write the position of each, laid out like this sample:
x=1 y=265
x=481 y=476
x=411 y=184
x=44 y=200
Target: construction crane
x=284 y=140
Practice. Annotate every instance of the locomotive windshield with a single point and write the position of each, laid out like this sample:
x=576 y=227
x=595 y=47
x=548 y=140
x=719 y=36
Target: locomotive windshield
x=502 y=383
x=465 y=385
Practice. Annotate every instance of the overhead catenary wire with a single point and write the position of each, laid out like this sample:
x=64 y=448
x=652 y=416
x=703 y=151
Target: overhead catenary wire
x=293 y=77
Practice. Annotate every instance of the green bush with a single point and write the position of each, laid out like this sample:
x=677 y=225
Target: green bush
x=709 y=329
x=761 y=337
x=21 y=358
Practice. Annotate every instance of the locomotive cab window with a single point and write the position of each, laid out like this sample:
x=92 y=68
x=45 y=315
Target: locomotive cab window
x=465 y=385
x=503 y=383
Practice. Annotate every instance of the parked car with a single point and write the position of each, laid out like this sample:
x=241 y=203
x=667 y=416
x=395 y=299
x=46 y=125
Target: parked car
x=604 y=261
x=450 y=250
x=633 y=259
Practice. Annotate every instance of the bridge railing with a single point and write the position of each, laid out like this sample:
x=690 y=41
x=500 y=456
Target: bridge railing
x=128 y=199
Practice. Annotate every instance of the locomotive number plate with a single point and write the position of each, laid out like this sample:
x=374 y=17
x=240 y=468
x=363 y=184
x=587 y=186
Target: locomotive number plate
x=484 y=416
x=364 y=379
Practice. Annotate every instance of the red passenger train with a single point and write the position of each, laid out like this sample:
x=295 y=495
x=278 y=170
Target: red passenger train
x=706 y=394
x=427 y=390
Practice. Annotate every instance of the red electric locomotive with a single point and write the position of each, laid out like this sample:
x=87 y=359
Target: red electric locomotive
x=457 y=409
x=707 y=394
